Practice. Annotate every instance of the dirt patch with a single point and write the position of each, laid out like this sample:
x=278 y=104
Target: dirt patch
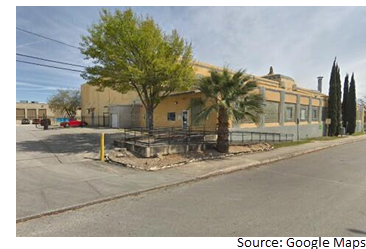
x=167 y=161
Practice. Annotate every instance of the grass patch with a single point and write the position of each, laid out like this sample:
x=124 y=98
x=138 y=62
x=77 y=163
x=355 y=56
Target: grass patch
x=324 y=138
x=308 y=140
x=360 y=133
x=291 y=143
x=304 y=141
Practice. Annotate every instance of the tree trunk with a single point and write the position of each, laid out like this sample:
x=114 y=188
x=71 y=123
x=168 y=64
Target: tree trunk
x=150 y=118
x=223 y=131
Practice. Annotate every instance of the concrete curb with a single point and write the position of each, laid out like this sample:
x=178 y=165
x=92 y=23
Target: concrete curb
x=201 y=177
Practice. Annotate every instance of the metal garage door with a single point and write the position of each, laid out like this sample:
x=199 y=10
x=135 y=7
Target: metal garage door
x=31 y=113
x=42 y=112
x=20 y=114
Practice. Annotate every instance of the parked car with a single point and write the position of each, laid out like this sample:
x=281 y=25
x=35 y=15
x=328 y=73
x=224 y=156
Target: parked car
x=36 y=121
x=25 y=121
x=73 y=123
x=43 y=121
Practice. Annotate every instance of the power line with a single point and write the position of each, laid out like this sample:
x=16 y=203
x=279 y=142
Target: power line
x=43 y=65
x=43 y=59
x=48 y=38
x=61 y=68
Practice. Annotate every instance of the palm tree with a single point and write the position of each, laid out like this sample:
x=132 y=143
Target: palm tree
x=231 y=97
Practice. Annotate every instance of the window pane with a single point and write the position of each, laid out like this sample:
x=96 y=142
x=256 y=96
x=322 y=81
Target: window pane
x=304 y=110
x=315 y=114
x=290 y=112
x=171 y=116
x=271 y=112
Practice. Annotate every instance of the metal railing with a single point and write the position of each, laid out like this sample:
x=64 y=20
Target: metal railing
x=197 y=135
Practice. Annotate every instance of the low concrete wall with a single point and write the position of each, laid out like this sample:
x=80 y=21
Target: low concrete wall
x=160 y=149
x=305 y=131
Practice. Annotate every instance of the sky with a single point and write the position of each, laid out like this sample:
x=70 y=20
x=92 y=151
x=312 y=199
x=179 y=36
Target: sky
x=300 y=42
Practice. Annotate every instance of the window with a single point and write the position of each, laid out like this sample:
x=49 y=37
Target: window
x=271 y=111
x=304 y=111
x=324 y=113
x=315 y=114
x=290 y=112
x=171 y=116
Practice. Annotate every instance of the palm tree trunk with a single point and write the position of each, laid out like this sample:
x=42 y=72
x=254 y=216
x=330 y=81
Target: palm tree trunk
x=223 y=131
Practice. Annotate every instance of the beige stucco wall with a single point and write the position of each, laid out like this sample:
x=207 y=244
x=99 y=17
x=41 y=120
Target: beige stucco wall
x=315 y=102
x=304 y=101
x=273 y=96
x=290 y=98
x=100 y=100
x=177 y=104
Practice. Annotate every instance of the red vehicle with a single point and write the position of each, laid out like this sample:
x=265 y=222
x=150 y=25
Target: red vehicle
x=36 y=121
x=73 y=123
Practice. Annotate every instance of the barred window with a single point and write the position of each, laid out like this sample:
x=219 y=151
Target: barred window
x=171 y=116
x=290 y=112
x=315 y=113
x=304 y=112
x=271 y=111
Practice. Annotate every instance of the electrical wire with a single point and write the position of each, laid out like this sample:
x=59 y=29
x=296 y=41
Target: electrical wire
x=48 y=38
x=54 y=61
x=44 y=65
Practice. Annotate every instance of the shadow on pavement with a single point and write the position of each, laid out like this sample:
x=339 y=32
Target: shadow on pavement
x=67 y=143
x=356 y=231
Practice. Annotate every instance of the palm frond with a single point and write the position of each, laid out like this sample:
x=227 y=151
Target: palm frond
x=231 y=92
x=196 y=102
x=205 y=113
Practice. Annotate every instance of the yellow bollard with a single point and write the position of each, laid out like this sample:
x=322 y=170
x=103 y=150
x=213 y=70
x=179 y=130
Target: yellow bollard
x=102 y=147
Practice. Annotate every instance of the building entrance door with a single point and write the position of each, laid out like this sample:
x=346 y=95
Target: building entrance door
x=185 y=120
x=114 y=120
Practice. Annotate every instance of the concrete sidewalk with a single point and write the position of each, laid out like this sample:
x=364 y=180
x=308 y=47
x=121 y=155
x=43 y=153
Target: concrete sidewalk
x=104 y=182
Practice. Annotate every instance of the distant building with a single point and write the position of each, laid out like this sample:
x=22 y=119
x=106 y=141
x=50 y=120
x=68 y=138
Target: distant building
x=32 y=110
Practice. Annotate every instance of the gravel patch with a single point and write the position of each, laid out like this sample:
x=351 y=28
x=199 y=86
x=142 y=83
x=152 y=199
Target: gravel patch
x=131 y=160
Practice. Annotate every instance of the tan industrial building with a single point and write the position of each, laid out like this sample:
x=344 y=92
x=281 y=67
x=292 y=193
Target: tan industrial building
x=32 y=110
x=285 y=102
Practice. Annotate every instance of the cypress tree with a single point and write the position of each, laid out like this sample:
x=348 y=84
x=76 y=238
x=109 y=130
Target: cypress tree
x=351 y=127
x=333 y=107
x=339 y=99
x=344 y=103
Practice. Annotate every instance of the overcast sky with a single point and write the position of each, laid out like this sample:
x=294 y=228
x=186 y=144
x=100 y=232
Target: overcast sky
x=300 y=42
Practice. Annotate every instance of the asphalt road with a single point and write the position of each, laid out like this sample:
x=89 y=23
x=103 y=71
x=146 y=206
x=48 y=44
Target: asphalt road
x=319 y=194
